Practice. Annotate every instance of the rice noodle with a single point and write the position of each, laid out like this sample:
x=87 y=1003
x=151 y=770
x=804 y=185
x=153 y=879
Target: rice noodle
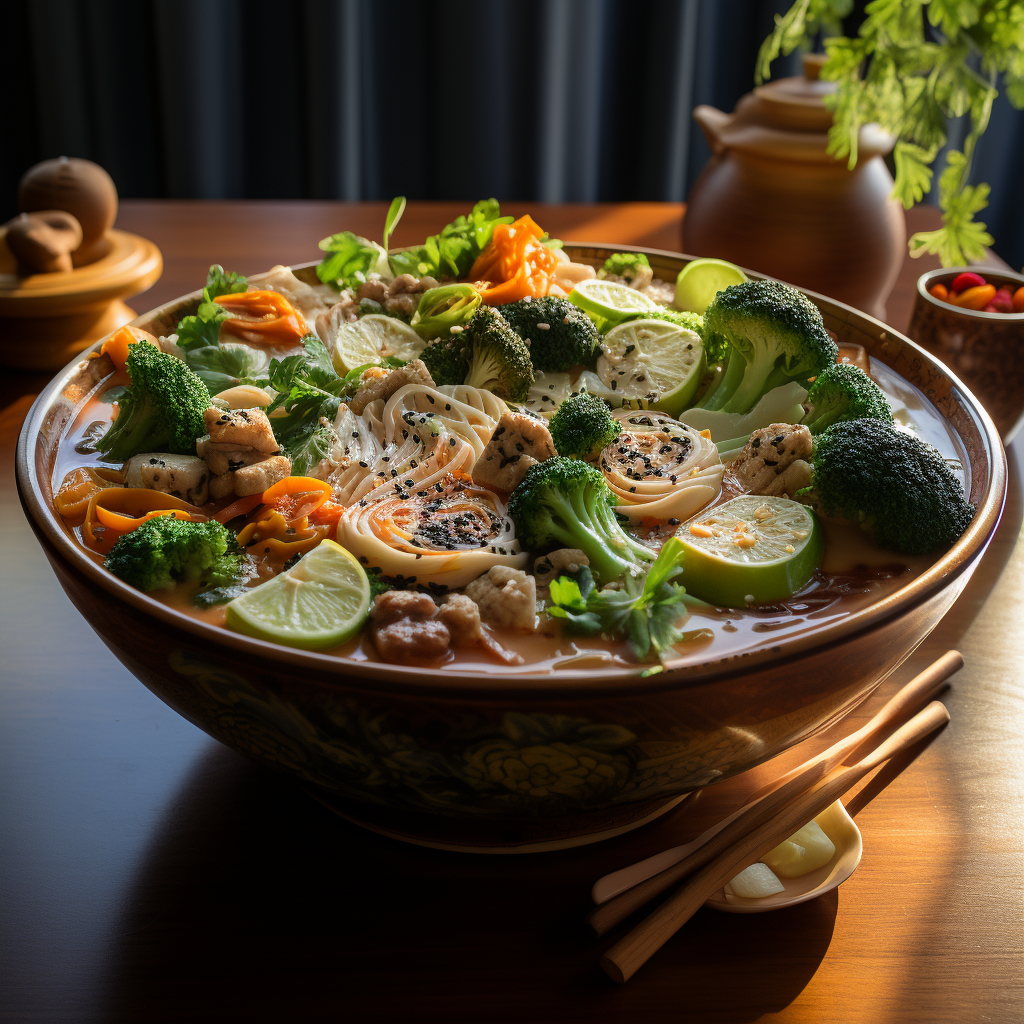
x=444 y=533
x=660 y=467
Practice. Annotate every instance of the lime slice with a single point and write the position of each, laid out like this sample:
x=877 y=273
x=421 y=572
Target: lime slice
x=608 y=303
x=750 y=550
x=701 y=280
x=656 y=362
x=320 y=601
x=371 y=338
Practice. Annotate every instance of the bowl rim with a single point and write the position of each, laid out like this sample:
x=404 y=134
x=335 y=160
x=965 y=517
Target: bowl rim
x=570 y=682
x=972 y=314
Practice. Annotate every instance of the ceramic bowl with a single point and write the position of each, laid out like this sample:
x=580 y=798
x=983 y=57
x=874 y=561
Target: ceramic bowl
x=983 y=349
x=530 y=761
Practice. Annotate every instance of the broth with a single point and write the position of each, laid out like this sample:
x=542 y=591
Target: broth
x=854 y=573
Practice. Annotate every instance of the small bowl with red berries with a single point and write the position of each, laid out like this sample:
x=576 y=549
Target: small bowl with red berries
x=972 y=318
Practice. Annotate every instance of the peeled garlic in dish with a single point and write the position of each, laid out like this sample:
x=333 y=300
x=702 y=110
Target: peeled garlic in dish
x=802 y=852
x=754 y=883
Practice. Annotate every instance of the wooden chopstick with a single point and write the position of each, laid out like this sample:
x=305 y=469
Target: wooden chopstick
x=764 y=804
x=624 y=958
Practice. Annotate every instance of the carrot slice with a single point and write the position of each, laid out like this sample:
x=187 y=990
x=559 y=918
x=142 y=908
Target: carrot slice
x=263 y=317
x=115 y=511
x=241 y=507
x=116 y=346
x=297 y=485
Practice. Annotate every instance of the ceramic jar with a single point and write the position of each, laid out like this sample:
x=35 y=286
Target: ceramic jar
x=772 y=199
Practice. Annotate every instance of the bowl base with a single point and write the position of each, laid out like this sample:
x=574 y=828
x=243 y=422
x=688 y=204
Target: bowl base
x=532 y=835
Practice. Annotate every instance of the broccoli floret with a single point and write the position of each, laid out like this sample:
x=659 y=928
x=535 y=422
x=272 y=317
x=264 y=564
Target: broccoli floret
x=845 y=392
x=766 y=334
x=164 y=551
x=568 y=338
x=563 y=502
x=897 y=487
x=583 y=426
x=162 y=410
x=447 y=358
x=633 y=266
x=499 y=360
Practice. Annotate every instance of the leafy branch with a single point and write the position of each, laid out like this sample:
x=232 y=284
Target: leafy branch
x=910 y=80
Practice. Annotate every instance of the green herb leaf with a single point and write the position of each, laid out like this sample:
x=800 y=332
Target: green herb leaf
x=221 y=282
x=394 y=216
x=349 y=261
x=454 y=250
x=911 y=82
x=223 y=366
x=203 y=329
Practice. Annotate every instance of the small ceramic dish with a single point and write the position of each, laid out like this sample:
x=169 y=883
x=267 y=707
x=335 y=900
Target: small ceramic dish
x=837 y=824
x=983 y=349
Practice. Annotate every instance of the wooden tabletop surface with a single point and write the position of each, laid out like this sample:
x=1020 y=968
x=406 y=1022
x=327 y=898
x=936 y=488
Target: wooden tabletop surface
x=148 y=874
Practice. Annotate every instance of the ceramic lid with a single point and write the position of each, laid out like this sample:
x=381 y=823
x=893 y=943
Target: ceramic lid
x=786 y=120
x=796 y=103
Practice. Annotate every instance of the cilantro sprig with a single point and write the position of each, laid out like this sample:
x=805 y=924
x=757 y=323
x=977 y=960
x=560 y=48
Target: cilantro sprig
x=913 y=65
x=649 y=612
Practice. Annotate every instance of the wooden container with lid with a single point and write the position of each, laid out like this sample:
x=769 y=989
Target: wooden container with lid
x=46 y=318
x=771 y=198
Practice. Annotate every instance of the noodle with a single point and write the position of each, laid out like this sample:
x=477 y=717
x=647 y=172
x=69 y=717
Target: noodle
x=661 y=468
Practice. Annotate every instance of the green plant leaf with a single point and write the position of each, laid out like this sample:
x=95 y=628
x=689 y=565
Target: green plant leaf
x=395 y=212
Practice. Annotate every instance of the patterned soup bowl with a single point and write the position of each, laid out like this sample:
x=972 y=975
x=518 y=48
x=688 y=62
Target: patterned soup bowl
x=524 y=761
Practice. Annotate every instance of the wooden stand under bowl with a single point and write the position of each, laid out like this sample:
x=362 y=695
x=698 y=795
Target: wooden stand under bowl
x=47 y=319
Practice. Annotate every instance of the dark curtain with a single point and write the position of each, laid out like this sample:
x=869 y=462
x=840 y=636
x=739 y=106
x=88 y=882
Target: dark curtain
x=551 y=100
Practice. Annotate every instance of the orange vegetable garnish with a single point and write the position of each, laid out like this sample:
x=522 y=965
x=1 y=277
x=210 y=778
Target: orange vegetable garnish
x=296 y=497
x=125 y=524
x=116 y=346
x=939 y=291
x=1018 y=300
x=275 y=537
x=297 y=485
x=515 y=264
x=977 y=297
x=241 y=507
x=327 y=514
x=263 y=317
x=77 y=488
x=115 y=511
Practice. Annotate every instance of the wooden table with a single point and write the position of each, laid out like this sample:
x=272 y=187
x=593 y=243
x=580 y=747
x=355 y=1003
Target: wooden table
x=150 y=874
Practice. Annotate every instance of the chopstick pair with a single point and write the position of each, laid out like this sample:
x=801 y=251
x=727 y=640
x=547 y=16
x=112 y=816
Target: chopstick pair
x=778 y=810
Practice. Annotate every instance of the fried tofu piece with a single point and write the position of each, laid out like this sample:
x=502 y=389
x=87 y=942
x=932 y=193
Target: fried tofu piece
x=181 y=476
x=462 y=617
x=258 y=477
x=775 y=461
x=373 y=387
x=519 y=441
x=506 y=597
x=241 y=428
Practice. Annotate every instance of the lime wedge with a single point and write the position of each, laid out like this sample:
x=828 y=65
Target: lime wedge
x=608 y=303
x=656 y=362
x=750 y=550
x=370 y=339
x=320 y=601
x=701 y=280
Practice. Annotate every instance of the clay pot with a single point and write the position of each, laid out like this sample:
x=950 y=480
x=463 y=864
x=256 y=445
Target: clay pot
x=772 y=199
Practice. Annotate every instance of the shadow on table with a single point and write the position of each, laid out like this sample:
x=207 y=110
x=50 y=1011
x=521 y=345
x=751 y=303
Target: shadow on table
x=255 y=904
